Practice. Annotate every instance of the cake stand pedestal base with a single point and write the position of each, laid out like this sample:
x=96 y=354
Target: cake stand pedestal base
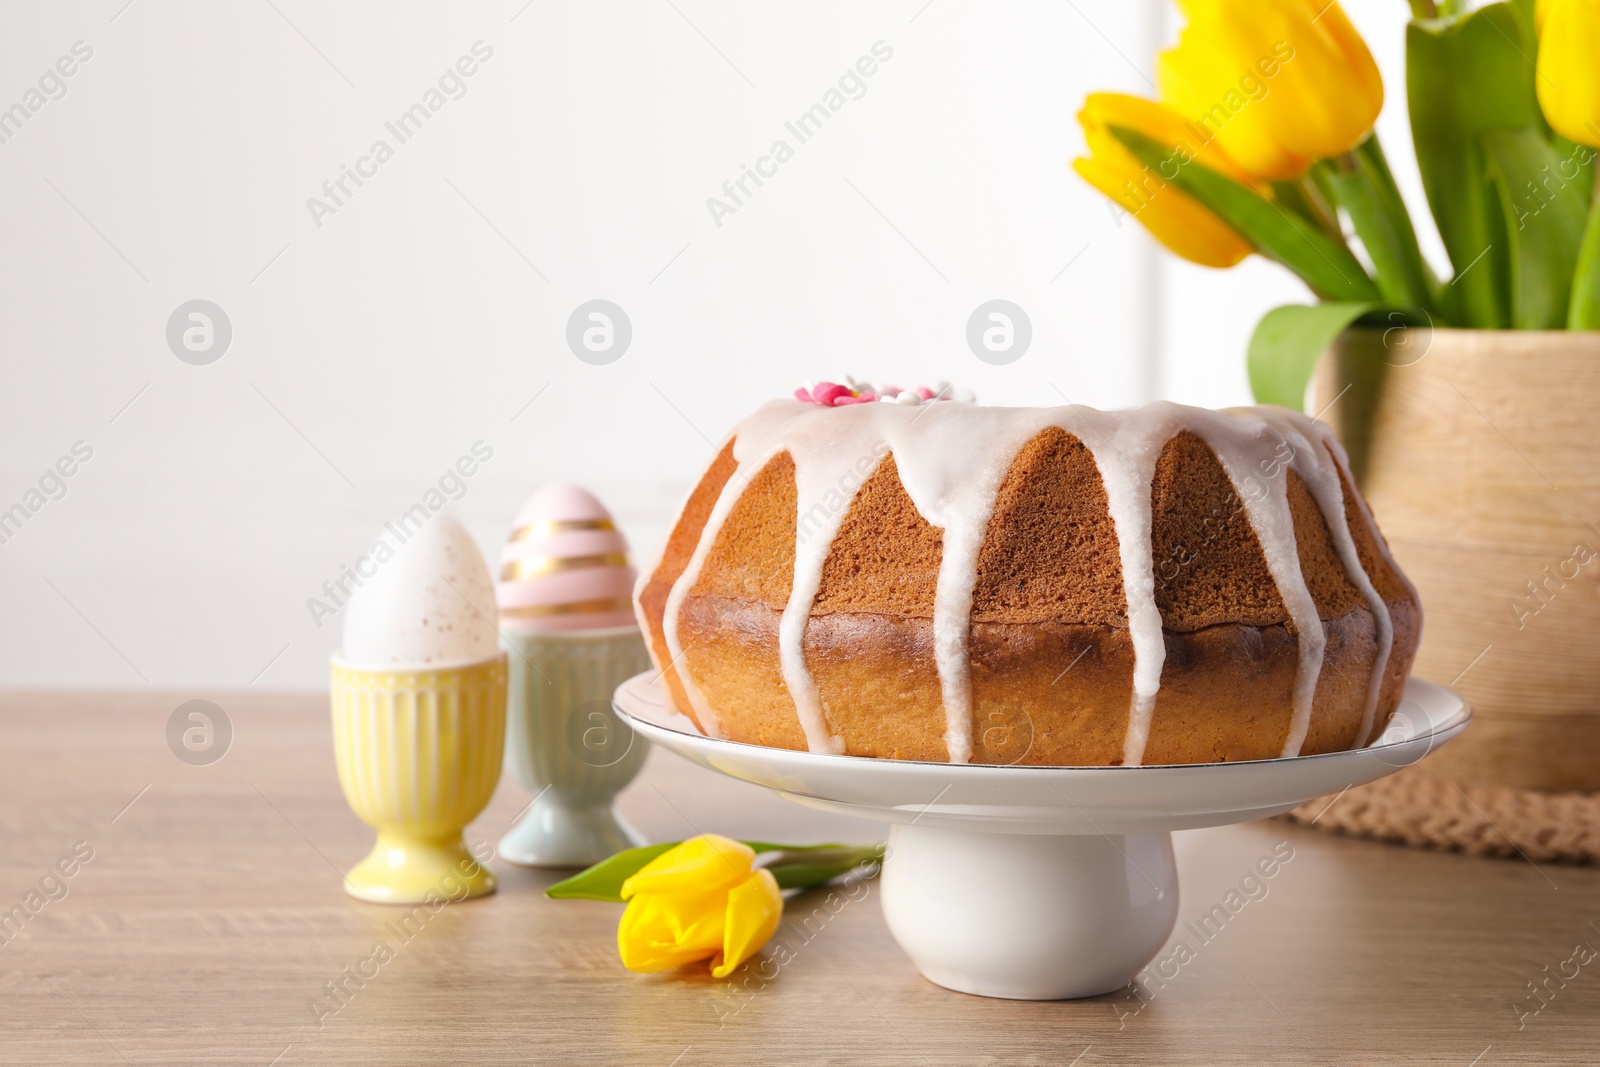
x=1042 y=883
x=1029 y=916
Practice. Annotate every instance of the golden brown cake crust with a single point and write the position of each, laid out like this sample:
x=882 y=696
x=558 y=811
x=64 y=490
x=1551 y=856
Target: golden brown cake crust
x=1225 y=689
x=885 y=557
x=651 y=599
x=1051 y=549
x=1050 y=650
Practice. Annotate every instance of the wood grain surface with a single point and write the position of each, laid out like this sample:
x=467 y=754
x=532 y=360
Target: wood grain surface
x=209 y=920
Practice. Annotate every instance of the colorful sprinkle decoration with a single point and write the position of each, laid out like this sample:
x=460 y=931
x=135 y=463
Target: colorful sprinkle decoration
x=833 y=395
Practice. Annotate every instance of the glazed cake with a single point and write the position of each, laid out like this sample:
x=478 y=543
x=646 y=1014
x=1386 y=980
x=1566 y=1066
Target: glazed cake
x=1050 y=586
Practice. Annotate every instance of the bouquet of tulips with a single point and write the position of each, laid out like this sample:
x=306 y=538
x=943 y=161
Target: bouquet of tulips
x=1262 y=142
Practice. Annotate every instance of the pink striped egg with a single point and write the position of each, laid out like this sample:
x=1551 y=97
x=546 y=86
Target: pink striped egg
x=565 y=565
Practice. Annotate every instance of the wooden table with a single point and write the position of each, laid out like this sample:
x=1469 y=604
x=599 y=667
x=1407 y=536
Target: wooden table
x=207 y=924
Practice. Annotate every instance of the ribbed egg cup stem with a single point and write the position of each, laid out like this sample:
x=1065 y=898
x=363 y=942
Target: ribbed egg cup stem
x=567 y=746
x=419 y=755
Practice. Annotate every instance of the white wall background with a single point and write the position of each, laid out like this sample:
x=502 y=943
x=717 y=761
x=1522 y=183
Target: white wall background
x=372 y=351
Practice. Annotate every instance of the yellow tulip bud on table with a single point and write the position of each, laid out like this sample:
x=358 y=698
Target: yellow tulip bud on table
x=709 y=898
x=699 y=900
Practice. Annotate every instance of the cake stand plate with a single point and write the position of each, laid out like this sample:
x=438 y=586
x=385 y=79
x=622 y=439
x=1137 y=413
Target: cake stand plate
x=1041 y=883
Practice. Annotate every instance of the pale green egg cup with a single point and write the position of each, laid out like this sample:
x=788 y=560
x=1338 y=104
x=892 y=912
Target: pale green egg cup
x=567 y=746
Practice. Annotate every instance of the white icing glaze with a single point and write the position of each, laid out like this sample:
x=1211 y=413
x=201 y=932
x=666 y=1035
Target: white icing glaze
x=1125 y=447
x=1265 y=496
x=1318 y=462
x=952 y=459
x=953 y=480
x=705 y=714
x=1342 y=464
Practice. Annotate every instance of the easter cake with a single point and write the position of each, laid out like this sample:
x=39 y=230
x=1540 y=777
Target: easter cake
x=881 y=573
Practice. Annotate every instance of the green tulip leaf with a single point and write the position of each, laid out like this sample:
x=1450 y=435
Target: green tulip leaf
x=1466 y=76
x=1545 y=210
x=1289 y=340
x=799 y=867
x=802 y=868
x=604 y=880
x=1321 y=261
x=1583 y=312
x=1524 y=11
x=1309 y=204
x=1361 y=183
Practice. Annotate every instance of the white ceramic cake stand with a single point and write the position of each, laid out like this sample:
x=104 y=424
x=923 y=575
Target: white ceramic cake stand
x=1041 y=883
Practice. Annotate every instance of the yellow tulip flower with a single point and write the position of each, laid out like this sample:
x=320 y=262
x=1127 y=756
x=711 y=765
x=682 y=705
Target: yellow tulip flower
x=1173 y=217
x=699 y=900
x=1277 y=83
x=1569 y=68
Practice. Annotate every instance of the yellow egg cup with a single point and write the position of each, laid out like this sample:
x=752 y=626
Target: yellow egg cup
x=419 y=755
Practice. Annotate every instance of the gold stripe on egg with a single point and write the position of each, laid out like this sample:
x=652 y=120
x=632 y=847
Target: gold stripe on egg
x=551 y=527
x=538 y=566
x=581 y=607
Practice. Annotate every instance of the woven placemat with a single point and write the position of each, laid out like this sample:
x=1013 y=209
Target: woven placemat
x=1413 y=809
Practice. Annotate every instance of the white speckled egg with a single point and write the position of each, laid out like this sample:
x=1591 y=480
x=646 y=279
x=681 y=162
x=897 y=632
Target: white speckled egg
x=429 y=605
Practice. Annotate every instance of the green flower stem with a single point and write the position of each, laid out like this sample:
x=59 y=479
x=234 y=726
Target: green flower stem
x=794 y=866
x=1583 y=312
x=1303 y=196
x=1424 y=9
x=1361 y=184
x=1376 y=163
x=802 y=868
